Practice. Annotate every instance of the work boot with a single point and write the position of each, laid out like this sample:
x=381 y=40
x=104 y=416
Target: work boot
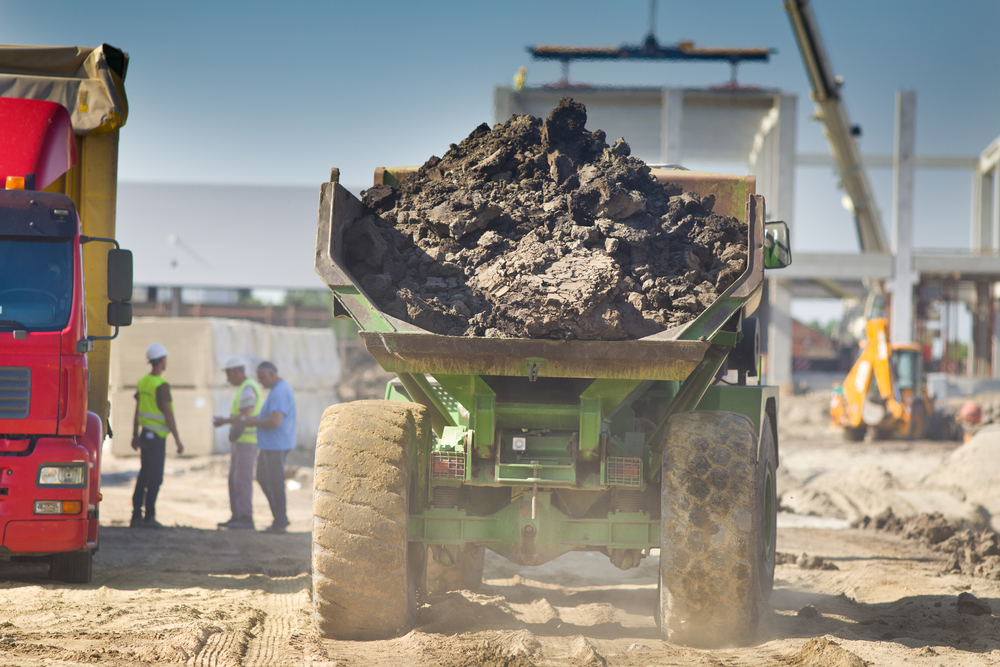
x=242 y=523
x=151 y=522
x=137 y=522
x=275 y=528
x=226 y=524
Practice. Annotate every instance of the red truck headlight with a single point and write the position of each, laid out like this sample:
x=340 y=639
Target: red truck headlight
x=62 y=476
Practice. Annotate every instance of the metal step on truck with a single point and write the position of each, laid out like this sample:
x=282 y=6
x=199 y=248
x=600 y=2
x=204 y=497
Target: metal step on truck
x=533 y=448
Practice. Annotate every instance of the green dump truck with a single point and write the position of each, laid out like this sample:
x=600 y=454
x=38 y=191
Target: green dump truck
x=532 y=448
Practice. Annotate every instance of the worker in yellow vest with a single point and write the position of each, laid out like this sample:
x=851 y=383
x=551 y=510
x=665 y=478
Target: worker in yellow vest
x=154 y=412
x=247 y=402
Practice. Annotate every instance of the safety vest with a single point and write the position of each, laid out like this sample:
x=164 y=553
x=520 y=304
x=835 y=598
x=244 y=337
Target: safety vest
x=250 y=434
x=150 y=415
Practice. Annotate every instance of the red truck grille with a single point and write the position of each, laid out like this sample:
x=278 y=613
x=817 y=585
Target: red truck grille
x=15 y=392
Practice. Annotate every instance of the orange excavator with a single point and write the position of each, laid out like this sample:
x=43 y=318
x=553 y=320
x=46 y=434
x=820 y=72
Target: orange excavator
x=885 y=390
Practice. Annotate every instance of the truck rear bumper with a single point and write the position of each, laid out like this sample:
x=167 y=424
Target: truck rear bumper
x=51 y=536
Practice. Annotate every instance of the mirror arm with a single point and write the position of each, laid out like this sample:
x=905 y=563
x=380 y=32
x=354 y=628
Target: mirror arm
x=111 y=337
x=87 y=344
x=88 y=239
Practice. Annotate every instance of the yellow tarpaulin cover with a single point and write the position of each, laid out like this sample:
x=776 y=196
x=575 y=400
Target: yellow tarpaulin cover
x=88 y=81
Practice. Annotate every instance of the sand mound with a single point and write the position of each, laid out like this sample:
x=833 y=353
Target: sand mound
x=861 y=491
x=973 y=470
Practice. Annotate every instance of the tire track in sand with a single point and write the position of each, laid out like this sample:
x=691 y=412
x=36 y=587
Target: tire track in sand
x=285 y=610
x=266 y=637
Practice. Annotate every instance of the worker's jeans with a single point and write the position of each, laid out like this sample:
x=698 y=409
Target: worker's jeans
x=153 y=453
x=241 y=479
x=271 y=475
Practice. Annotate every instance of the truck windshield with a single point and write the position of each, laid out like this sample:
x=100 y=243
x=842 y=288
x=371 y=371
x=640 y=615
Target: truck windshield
x=36 y=283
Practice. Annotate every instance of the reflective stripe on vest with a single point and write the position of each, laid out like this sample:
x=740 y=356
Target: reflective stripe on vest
x=150 y=415
x=250 y=434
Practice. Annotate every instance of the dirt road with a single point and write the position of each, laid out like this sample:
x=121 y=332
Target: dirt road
x=193 y=595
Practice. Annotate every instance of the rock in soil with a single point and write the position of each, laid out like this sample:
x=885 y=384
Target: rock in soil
x=808 y=612
x=540 y=229
x=970 y=604
x=807 y=562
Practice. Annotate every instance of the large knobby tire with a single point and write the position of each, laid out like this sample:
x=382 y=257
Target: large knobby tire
x=709 y=554
x=464 y=575
x=767 y=492
x=855 y=433
x=364 y=586
x=72 y=567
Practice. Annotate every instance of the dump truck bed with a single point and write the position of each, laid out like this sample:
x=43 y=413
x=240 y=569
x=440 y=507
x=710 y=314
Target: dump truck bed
x=402 y=347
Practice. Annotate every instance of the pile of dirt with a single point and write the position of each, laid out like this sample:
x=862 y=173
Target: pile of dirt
x=804 y=561
x=973 y=552
x=822 y=652
x=540 y=229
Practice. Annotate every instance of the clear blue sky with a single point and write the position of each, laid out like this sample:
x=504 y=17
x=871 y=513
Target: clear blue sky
x=265 y=92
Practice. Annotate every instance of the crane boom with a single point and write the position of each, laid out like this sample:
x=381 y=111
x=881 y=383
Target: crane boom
x=837 y=127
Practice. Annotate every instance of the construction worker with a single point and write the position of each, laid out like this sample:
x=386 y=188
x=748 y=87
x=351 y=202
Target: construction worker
x=154 y=412
x=519 y=79
x=275 y=438
x=247 y=402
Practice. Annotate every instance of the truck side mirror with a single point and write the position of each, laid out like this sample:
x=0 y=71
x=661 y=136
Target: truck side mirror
x=119 y=277
x=119 y=313
x=777 y=249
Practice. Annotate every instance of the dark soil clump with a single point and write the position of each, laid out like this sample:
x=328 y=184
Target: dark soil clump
x=970 y=551
x=540 y=229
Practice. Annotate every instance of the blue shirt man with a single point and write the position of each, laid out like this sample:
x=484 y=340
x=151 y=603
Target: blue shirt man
x=275 y=438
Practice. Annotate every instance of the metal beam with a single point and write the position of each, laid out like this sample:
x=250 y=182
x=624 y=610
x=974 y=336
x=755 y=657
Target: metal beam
x=885 y=161
x=879 y=266
x=847 y=266
x=952 y=264
x=901 y=329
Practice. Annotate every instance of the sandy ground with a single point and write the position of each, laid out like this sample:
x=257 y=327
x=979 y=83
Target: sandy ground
x=191 y=594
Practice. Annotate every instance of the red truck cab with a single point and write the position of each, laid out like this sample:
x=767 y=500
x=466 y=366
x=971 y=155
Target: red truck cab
x=50 y=444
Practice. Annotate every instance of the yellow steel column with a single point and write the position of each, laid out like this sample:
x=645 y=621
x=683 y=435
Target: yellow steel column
x=98 y=183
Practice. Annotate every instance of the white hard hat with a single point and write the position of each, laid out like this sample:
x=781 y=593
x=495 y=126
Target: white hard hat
x=155 y=351
x=233 y=361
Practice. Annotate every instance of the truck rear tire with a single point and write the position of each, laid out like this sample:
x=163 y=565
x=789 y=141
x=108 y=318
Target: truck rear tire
x=72 y=567
x=364 y=579
x=709 y=554
x=767 y=488
x=465 y=575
